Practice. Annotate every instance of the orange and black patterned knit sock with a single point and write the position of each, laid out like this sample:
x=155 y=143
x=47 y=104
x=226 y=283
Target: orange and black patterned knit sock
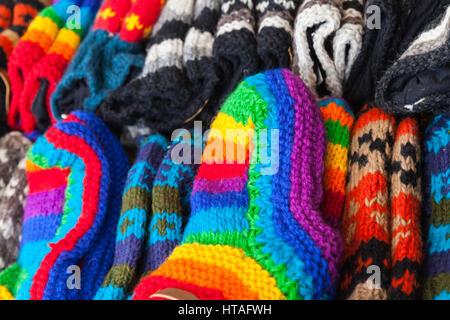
x=6 y=9
x=365 y=225
x=406 y=198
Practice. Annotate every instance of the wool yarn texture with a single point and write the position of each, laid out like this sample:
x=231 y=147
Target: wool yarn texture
x=255 y=230
x=6 y=13
x=418 y=80
x=35 y=112
x=338 y=119
x=13 y=192
x=33 y=46
x=275 y=32
x=109 y=57
x=131 y=233
x=71 y=211
x=437 y=208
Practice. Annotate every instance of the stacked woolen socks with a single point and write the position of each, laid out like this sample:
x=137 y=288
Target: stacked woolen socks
x=131 y=233
x=365 y=223
x=13 y=192
x=111 y=55
x=34 y=44
x=71 y=211
x=338 y=120
x=437 y=208
x=255 y=230
x=405 y=206
x=418 y=80
x=35 y=110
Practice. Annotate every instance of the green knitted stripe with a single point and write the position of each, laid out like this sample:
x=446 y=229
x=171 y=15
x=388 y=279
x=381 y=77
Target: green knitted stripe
x=436 y=285
x=51 y=14
x=337 y=133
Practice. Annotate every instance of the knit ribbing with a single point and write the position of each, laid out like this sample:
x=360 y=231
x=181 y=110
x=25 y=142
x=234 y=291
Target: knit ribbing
x=365 y=224
x=437 y=208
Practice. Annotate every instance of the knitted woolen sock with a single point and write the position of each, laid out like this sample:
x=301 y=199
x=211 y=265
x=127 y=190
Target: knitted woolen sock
x=373 y=58
x=24 y=12
x=35 y=112
x=34 y=44
x=348 y=39
x=365 y=224
x=131 y=228
x=315 y=24
x=418 y=80
x=160 y=94
x=406 y=198
x=6 y=13
x=13 y=191
x=255 y=230
x=275 y=31
x=437 y=208
x=87 y=82
x=338 y=120
x=170 y=201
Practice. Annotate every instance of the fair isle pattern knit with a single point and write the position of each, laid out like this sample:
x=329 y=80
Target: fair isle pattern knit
x=170 y=202
x=406 y=198
x=134 y=218
x=365 y=224
x=426 y=59
x=71 y=210
x=35 y=110
x=34 y=44
x=437 y=208
x=348 y=39
x=316 y=22
x=13 y=192
x=275 y=32
x=255 y=232
x=338 y=120
x=116 y=40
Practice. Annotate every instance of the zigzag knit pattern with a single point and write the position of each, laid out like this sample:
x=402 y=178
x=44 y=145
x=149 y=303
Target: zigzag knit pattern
x=34 y=44
x=71 y=211
x=437 y=208
x=365 y=224
x=135 y=215
x=406 y=198
x=338 y=120
x=255 y=230
x=35 y=110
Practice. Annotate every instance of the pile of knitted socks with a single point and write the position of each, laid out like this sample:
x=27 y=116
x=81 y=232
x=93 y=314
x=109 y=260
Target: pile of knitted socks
x=75 y=172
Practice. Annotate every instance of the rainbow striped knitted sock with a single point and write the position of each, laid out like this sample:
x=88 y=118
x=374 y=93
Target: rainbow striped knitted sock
x=255 y=230
x=338 y=123
x=437 y=208
x=71 y=210
x=133 y=221
x=406 y=197
x=87 y=82
x=45 y=74
x=365 y=224
x=34 y=44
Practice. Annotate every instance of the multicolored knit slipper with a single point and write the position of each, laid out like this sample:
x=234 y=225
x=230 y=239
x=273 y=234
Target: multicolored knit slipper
x=365 y=223
x=45 y=74
x=131 y=232
x=437 y=208
x=406 y=199
x=256 y=231
x=34 y=44
x=338 y=124
x=87 y=82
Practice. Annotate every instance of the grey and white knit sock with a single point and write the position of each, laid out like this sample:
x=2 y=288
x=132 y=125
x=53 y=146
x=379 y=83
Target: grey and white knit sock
x=315 y=25
x=418 y=80
x=348 y=39
x=275 y=32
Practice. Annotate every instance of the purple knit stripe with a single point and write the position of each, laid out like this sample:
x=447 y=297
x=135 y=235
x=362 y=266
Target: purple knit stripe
x=438 y=263
x=220 y=186
x=128 y=251
x=306 y=189
x=45 y=203
x=439 y=165
x=156 y=254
